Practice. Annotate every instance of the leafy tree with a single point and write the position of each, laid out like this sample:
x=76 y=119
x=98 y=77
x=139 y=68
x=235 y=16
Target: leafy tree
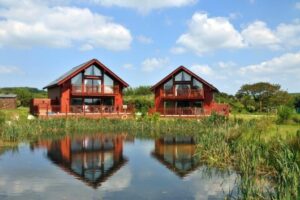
x=24 y=94
x=262 y=96
x=141 y=98
x=296 y=102
x=141 y=90
x=233 y=102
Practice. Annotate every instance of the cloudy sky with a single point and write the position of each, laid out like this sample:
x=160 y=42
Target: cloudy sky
x=226 y=42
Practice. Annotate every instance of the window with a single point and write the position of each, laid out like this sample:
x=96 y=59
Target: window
x=93 y=71
x=197 y=104
x=183 y=76
x=182 y=89
x=108 y=101
x=197 y=84
x=76 y=101
x=92 y=85
x=168 y=85
x=168 y=104
x=77 y=80
x=92 y=101
x=108 y=84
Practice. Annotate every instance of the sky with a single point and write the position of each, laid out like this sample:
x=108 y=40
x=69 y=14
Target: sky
x=226 y=42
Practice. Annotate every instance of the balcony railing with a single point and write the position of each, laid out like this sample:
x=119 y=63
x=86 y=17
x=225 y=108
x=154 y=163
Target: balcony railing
x=182 y=93
x=94 y=90
x=181 y=111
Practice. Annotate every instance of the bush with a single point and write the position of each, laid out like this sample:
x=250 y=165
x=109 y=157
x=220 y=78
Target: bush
x=296 y=118
x=2 y=118
x=284 y=114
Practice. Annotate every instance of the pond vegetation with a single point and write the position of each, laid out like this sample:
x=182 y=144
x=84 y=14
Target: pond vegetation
x=263 y=150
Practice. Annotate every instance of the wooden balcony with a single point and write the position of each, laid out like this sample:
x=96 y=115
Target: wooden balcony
x=181 y=111
x=103 y=90
x=182 y=94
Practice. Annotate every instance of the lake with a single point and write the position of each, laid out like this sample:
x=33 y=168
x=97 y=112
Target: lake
x=104 y=166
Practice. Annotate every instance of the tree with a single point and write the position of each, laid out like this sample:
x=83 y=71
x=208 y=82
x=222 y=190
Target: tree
x=296 y=102
x=262 y=96
x=141 y=90
x=24 y=94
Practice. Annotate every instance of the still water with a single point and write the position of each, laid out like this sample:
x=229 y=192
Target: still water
x=110 y=167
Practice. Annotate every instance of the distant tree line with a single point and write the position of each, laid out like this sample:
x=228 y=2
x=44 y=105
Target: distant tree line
x=260 y=97
x=24 y=94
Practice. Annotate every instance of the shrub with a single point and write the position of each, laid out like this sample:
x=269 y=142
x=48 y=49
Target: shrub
x=284 y=114
x=2 y=118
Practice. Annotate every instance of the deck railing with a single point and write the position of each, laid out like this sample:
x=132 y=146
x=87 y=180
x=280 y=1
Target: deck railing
x=181 y=111
x=94 y=90
x=46 y=109
x=182 y=93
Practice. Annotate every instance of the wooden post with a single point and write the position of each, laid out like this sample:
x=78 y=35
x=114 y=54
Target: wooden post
x=47 y=111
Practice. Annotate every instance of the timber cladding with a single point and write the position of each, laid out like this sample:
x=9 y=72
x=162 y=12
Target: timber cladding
x=8 y=101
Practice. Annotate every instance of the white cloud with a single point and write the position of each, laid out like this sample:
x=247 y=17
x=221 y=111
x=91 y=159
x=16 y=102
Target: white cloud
x=208 y=34
x=178 y=50
x=144 y=6
x=258 y=34
x=151 y=64
x=226 y=65
x=297 y=5
x=35 y=23
x=86 y=47
x=9 y=69
x=289 y=34
x=127 y=66
x=144 y=40
x=202 y=70
x=288 y=63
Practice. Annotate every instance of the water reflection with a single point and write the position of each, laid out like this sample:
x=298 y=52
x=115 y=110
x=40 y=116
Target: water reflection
x=126 y=168
x=177 y=154
x=90 y=159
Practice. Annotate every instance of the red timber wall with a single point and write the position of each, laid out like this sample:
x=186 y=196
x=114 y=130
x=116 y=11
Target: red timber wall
x=65 y=97
x=119 y=98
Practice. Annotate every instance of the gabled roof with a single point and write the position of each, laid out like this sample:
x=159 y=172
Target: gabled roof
x=182 y=68
x=8 y=95
x=75 y=70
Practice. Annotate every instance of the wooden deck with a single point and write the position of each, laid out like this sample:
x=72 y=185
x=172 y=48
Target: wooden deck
x=87 y=115
x=182 y=94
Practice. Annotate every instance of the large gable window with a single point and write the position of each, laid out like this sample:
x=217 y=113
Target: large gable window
x=93 y=71
x=183 y=76
x=197 y=84
x=108 y=84
x=168 y=85
x=77 y=83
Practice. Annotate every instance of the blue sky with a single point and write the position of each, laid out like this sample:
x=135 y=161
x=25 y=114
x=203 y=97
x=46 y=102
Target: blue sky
x=226 y=42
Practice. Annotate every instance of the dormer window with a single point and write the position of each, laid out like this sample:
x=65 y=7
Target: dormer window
x=93 y=71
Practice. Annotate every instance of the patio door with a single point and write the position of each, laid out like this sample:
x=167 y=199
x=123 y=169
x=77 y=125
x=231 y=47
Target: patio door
x=182 y=89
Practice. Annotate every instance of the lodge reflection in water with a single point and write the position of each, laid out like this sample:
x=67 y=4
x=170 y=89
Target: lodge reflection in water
x=177 y=154
x=91 y=159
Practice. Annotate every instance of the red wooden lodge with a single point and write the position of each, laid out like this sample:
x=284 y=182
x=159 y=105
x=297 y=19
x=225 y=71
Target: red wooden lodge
x=86 y=89
x=93 y=90
x=183 y=93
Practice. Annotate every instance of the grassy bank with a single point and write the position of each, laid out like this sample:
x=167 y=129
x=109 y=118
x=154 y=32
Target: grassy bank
x=264 y=153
